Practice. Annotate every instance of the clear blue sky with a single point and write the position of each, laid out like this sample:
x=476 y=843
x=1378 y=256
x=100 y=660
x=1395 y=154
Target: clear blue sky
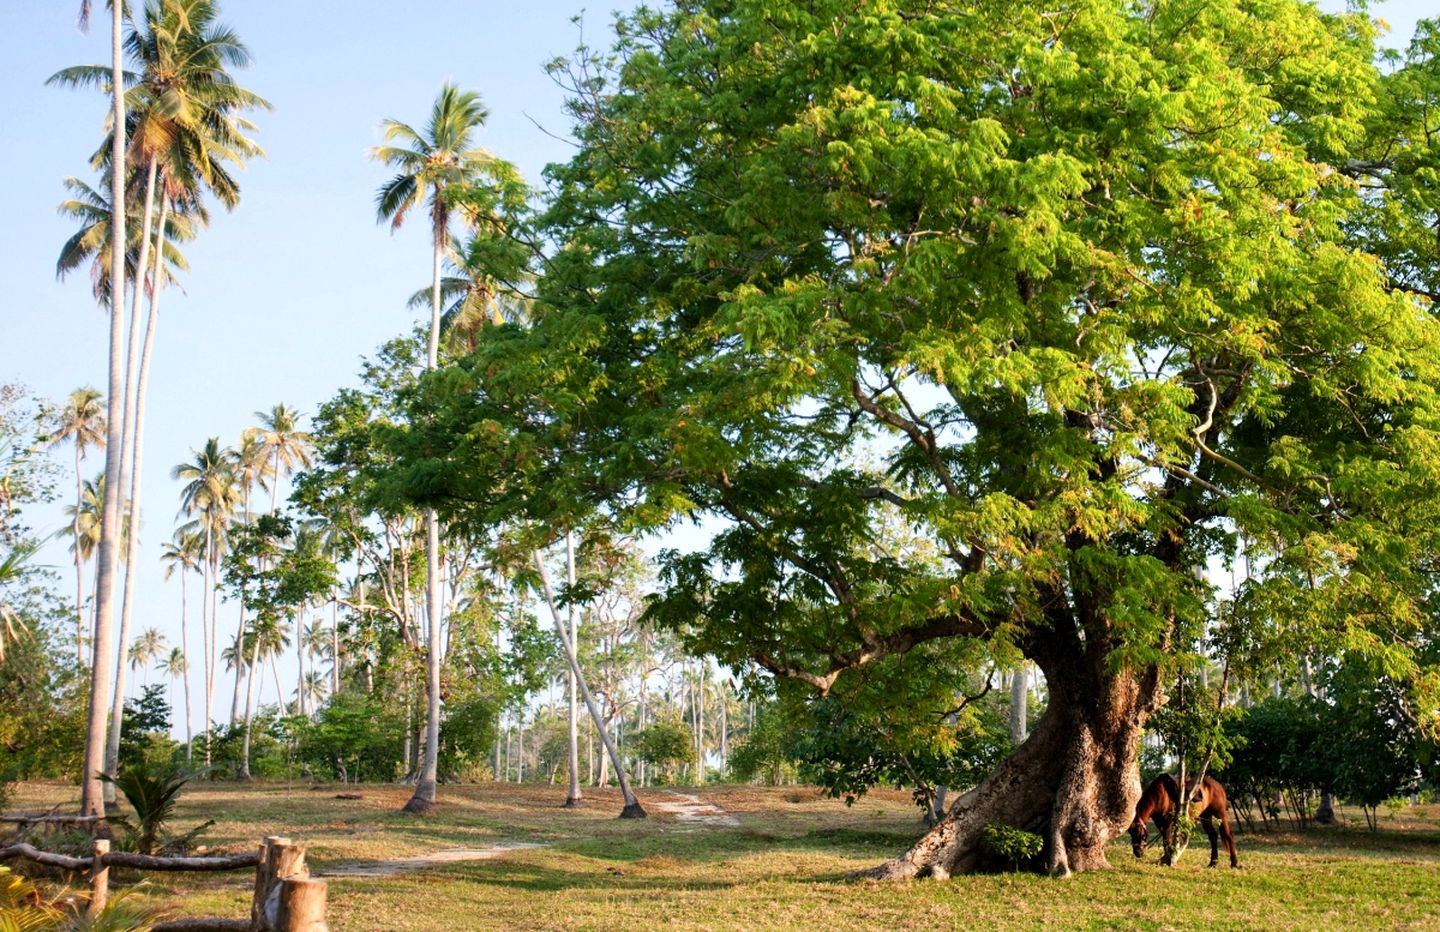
x=286 y=294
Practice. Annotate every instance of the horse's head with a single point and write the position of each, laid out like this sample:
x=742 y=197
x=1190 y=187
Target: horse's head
x=1138 y=838
x=1198 y=797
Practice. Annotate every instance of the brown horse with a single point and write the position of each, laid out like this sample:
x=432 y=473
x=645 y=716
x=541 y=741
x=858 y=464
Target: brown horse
x=1160 y=802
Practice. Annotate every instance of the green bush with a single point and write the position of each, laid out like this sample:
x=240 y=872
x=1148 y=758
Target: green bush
x=354 y=739
x=1010 y=844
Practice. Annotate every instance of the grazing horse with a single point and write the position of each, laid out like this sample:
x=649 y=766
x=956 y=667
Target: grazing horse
x=1160 y=802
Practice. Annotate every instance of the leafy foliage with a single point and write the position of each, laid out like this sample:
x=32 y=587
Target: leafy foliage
x=667 y=743
x=146 y=719
x=1013 y=845
x=972 y=329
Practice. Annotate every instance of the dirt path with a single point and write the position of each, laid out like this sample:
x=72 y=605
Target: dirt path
x=687 y=808
x=401 y=865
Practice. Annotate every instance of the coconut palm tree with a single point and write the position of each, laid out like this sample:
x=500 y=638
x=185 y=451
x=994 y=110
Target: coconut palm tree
x=91 y=243
x=313 y=642
x=92 y=788
x=82 y=422
x=176 y=666
x=311 y=692
x=248 y=464
x=146 y=649
x=209 y=495
x=183 y=553
x=280 y=446
x=429 y=164
x=184 y=126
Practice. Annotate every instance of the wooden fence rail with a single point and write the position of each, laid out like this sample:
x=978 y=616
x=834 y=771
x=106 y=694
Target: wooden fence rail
x=286 y=899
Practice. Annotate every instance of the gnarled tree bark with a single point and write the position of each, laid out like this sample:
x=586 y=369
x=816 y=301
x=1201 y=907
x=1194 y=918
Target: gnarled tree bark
x=1074 y=782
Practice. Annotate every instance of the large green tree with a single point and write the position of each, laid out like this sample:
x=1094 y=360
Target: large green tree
x=1072 y=292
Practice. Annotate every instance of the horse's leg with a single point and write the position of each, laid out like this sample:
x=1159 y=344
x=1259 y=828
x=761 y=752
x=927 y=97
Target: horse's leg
x=1209 y=823
x=1167 y=839
x=1229 y=837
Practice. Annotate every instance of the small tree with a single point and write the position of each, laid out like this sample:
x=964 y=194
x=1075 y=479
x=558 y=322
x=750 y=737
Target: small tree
x=665 y=743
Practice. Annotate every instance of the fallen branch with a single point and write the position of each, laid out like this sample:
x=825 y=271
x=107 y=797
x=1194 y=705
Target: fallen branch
x=144 y=862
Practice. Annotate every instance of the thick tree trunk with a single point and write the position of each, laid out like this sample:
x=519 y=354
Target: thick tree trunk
x=1074 y=781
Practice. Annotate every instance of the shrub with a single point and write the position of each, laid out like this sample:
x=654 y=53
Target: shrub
x=1011 y=844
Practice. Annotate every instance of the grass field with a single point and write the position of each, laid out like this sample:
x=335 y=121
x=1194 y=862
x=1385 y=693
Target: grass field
x=782 y=867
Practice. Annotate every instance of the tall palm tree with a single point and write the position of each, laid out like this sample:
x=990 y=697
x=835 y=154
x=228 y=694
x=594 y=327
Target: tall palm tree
x=429 y=164
x=184 y=126
x=183 y=553
x=177 y=666
x=92 y=788
x=248 y=464
x=313 y=643
x=91 y=243
x=311 y=692
x=82 y=422
x=209 y=495
x=146 y=649
x=280 y=446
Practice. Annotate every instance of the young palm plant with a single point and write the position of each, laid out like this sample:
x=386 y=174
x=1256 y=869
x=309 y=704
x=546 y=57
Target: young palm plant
x=153 y=791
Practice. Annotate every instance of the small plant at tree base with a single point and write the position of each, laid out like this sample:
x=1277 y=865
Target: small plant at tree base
x=1010 y=843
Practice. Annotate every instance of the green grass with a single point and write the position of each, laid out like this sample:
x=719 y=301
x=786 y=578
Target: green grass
x=782 y=868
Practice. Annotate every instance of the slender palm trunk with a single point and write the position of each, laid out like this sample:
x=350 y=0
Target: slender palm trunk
x=335 y=650
x=700 y=723
x=300 y=659
x=1019 y=695
x=207 y=629
x=424 y=797
x=275 y=675
x=102 y=656
x=249 y=703
x=135 y=373
x=79 y=560
x=572 y=797
x=241 y=670
x=633 y=809
x=185 y=649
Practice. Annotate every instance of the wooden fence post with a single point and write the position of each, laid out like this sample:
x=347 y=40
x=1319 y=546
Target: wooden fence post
x=302 y=905
x=99 y=877
x=264 y=880
x=286 y=899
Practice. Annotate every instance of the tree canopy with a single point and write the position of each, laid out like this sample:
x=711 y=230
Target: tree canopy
x=1075 y=298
